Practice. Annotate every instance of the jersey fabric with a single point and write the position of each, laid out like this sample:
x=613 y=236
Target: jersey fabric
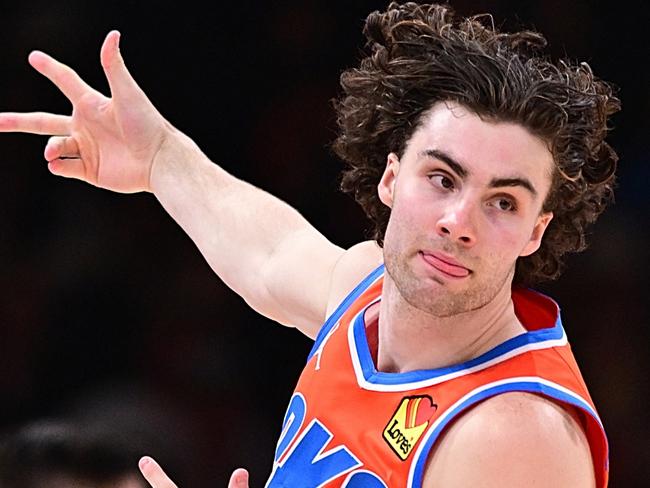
x=349 y=425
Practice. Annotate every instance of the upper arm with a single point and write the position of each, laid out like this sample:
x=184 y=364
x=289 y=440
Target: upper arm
x=512 y=440
x=306 y=274
x=353 y=266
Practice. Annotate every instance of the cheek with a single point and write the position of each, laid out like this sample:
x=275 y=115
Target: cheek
x=505 y=236
x=417 y=205
x=395 y=231
x=511 y=239
x=412 y=217
x=406 y=223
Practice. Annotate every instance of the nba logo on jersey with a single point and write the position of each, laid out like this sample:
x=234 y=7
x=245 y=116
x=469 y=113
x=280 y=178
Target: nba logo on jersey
x=408 y=423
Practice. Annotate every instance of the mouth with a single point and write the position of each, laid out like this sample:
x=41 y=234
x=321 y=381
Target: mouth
x=446 y=265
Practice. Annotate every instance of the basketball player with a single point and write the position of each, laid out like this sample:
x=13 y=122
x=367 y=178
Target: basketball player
x=434 y=364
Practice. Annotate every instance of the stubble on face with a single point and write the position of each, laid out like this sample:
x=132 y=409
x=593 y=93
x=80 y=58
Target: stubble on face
x=496 y=160
x=432 y=294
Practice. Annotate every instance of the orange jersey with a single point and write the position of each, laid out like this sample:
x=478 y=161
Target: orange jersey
x=349 y=425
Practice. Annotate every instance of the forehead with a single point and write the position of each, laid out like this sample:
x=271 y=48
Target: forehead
x=482 y=146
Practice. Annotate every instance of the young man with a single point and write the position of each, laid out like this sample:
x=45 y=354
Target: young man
x=480 y=164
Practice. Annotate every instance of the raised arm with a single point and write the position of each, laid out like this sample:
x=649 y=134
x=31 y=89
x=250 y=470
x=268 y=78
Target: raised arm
x=258 y=245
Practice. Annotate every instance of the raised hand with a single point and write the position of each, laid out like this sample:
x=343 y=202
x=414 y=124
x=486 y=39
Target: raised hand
x=108 y=142
x=157 y=478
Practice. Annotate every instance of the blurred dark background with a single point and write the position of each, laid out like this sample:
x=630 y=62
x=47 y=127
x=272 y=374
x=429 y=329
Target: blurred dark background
x=108 y=313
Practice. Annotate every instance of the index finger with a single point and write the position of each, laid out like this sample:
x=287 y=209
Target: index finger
x=64 y=77
x=35 y=123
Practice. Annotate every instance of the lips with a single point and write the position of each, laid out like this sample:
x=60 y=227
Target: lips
x=445 y=264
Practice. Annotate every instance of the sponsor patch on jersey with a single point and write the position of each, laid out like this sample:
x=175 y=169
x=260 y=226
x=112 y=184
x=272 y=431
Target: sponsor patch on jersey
x=408 y=423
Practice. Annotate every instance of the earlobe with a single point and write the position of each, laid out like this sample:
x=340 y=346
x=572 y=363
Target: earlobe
x=537 y=234
x=386 y=186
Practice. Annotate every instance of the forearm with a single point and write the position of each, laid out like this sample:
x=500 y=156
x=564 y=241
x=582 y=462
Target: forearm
x=236 y=226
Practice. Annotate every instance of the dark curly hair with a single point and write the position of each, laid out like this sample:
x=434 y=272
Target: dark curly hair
x=422 y=54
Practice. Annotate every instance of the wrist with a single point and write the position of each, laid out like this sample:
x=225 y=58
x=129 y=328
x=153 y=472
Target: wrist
x=172 y=157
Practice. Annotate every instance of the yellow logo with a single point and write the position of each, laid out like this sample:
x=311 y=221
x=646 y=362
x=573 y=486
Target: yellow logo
x=408 y=423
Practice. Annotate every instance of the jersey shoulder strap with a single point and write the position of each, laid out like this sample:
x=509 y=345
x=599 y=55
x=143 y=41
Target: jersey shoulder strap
x=364 y=285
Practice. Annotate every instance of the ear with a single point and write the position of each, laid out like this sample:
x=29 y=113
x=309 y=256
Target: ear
x=386 y=187
x=536 y=235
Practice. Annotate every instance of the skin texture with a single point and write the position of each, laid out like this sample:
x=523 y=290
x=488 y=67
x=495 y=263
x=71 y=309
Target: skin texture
x=480 y=217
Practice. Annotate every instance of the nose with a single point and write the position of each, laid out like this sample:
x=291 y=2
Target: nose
x=457 y=222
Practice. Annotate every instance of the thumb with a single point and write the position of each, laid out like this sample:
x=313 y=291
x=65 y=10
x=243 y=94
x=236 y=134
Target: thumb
x=154 y=474
x=238 y=479
x=119 y=79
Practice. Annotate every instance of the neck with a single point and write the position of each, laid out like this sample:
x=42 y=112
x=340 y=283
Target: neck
x=411 y=339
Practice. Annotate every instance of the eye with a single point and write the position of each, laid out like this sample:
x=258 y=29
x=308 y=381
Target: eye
x=505 y=204
x=443 y=181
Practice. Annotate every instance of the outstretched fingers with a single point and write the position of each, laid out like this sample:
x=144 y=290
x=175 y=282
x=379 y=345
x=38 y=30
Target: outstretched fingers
x=120 y=81
x=35 y=123
x=65 y=78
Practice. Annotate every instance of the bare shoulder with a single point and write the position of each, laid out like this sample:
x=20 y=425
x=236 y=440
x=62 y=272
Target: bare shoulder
x=352 y=267
x=512 y=440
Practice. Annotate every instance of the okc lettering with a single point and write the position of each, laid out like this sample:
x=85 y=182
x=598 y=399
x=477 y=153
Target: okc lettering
x=306 y=457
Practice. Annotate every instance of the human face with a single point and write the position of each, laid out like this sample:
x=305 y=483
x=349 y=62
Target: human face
x=466 y=201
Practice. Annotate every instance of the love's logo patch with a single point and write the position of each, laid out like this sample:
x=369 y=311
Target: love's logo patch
x=408 y=423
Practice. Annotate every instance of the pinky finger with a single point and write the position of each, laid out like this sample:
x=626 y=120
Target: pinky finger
x=68 y=168
x=61 y=147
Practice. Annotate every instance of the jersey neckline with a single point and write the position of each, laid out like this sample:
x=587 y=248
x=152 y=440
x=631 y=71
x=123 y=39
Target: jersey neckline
x=535 y=338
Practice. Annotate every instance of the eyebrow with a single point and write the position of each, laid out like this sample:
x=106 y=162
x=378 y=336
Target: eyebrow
x=448 y=160
x=461 y=171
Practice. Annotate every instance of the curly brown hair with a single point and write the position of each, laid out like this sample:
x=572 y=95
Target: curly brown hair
x=423 y=54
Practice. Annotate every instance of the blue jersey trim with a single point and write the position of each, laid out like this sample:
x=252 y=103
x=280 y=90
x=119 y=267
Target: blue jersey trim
x=345 y=304
x=373 y=376
x=523 y=386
